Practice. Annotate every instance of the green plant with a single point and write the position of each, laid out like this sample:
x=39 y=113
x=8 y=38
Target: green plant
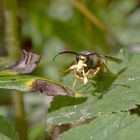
x=7 y=132
x=11 y=78
x=109 y=106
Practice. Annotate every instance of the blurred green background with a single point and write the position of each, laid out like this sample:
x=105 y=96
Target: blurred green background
x=47 y=27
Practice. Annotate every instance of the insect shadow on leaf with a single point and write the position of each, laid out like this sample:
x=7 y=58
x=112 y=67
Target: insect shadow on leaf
x=104 y=82
x=136 y=110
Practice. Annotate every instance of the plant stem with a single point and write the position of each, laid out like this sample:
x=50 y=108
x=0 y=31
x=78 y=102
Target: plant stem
x=12 y=44
x=20 y=117
x=96 y=21
x=11 y=33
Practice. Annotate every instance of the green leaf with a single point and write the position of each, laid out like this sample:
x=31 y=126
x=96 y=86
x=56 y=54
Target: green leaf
x=105 y=94
x=28 y=83
x=107 y=127
x=36 y=131
x=20 y=82
x=6 y=130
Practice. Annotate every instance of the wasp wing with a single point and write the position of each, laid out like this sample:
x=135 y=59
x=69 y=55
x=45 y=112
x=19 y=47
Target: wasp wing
x=114 y=59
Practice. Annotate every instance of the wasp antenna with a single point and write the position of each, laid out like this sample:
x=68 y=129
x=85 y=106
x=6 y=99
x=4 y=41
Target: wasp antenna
x=114 y=59
x=68 y=52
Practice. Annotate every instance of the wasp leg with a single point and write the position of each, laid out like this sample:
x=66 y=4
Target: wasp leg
x=71 y=68
x=67 y=70
x=83 y=77
x=85 y=80
x=97 y=70
x=76 y=74
x=74 y=83
x=88 y=72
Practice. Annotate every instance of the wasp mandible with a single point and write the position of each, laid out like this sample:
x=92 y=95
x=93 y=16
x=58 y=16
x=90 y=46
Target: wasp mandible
x=87 y=64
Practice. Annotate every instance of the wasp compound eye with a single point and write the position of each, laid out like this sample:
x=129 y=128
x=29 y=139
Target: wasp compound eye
x=77 y=58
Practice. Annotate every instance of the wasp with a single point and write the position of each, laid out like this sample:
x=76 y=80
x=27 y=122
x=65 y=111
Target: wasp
x=87 y=64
